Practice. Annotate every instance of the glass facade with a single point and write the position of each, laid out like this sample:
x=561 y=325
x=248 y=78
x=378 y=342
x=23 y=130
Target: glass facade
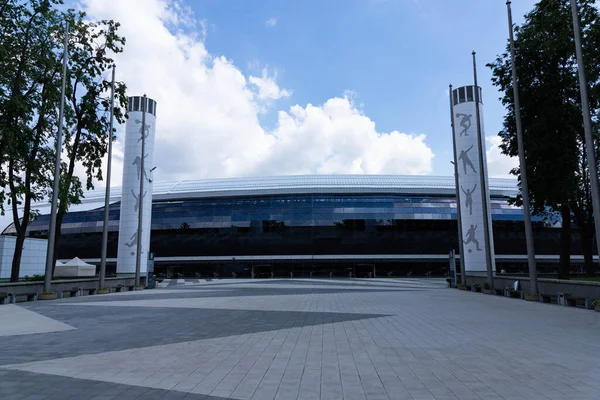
x=303 y=223
x=299 y=225
x=288 y=211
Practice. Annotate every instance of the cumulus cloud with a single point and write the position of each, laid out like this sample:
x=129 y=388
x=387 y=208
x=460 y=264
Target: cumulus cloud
x=499 y=165
x=337 y=138
x=267 y=87
x=271 y=22
x=208 y=110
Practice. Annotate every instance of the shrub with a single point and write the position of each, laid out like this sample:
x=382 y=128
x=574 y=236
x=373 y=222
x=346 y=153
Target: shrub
x=48 y=292
x=596 y=303
x=460 y=286
x=486 y=286
x=34 y=278
x=531 y=294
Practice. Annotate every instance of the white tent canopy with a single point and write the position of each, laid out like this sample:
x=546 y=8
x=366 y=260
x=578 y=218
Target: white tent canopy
x=75 y=267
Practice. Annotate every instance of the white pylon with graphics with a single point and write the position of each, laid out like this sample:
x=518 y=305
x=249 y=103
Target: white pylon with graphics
x=131 y=198
x=472 y=181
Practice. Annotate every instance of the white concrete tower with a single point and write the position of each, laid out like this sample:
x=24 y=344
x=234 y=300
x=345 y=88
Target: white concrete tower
x=472 y=181
x=130 y=195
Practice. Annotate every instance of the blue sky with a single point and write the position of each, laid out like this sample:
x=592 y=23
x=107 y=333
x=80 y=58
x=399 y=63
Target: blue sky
x=250 y=88
x=398 y=56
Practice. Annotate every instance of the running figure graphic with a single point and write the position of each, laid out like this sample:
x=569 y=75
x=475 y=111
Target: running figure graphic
x=465 y=122
x=469 y=194
x=464 y=156
x=138 y=162
x=471 y=237
x=146 y=130
x=132 y=240
x=136 y=207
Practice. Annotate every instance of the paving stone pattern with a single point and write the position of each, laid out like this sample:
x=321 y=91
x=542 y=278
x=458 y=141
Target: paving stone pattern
x=300 y=339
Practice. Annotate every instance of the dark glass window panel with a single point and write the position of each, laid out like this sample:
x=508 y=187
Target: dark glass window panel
x=461 y=95
x=136 y=103
x=470 y=93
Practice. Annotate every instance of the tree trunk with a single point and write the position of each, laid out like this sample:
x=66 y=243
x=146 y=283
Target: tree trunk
x=565 y=244
x=585 y=231
x=586 y=237
x=16 y=262
x=60 y=215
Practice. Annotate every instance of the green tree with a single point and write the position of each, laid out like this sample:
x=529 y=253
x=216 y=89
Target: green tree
x=87 y=108
x=31 y=52
x=29 y=94
x=551 y=114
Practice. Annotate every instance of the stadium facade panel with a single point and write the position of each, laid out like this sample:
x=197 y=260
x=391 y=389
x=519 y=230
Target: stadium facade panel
x=301 y=218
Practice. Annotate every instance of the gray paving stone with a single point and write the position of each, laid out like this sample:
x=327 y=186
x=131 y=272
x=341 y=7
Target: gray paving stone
x=305 y=339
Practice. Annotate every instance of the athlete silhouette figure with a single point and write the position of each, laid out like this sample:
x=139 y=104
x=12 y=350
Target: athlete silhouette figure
x=146 y=130
x=136 y=207
x=138 y=162
x=471 y=237
x=132 y=240
x=465 y=122
x=464 y=157
x=469 y=194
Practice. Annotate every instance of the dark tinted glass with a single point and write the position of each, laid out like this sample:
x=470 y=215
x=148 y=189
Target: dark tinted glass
x=470 y=93
x=461 y=95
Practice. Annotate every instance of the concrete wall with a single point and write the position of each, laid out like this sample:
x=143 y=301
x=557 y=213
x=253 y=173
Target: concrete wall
x=60 y=285
x=33 y=260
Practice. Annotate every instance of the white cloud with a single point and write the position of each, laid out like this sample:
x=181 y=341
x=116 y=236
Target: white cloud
x=271 y=22
x=267 y=87
x=337 y=138
x=208 y=111
x=499 y=165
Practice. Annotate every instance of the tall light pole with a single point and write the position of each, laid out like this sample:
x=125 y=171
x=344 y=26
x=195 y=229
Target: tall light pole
x=587 y=124
x=56 y=187
x=107 y=195
x=463 y=277
x=138 y=255
x=482 y=169
x=523 y=166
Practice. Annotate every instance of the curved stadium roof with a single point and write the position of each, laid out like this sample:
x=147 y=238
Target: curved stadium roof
x=293 y=184
x=307 y=184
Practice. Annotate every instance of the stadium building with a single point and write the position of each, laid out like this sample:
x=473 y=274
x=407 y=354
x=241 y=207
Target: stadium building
x=317 y=225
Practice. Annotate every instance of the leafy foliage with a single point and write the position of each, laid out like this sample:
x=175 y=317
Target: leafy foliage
x=31 y=52
x=87 y=110
x=551 y=108
x=29 y=92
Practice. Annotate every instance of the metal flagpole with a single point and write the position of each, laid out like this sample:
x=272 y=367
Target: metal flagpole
x=56 y=187
x=523 y=166
x=138 y=256
x=587 y=124
x=107 y=195
x=463 y=277
x=484 y=203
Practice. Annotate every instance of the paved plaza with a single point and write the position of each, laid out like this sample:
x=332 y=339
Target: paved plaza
x=299 y=339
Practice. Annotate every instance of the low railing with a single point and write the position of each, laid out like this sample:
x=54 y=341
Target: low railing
x=61 y=285
x=583 y=289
